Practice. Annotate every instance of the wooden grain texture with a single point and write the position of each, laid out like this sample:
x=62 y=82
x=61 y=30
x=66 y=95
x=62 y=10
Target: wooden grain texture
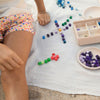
x=37 y=93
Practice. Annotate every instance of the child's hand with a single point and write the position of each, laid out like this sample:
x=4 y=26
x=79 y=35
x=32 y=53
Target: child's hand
x=8 y=59
x=43 y=18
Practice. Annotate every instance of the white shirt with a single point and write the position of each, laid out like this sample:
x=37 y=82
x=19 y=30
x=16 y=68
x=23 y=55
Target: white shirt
x=11 y=7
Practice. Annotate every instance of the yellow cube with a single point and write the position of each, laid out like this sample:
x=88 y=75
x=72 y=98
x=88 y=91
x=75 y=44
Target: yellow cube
x=60 y=29
x=42 y=62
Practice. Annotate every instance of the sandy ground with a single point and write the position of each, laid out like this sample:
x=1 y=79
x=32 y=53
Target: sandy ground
x=37 y=93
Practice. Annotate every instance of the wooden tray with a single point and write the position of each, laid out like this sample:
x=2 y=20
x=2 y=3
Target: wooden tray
x=87 y=31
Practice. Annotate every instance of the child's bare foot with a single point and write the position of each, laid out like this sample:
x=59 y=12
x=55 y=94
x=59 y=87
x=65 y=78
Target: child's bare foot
x=43 y=18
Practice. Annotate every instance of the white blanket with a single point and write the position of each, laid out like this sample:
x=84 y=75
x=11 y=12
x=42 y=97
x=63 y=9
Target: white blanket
x=65 y=75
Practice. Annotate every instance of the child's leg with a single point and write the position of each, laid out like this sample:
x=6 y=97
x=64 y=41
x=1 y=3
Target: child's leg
x=14 y=82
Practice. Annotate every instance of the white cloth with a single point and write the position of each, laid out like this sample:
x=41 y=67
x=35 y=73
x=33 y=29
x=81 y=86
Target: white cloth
x=65 y=75
x=11 y=7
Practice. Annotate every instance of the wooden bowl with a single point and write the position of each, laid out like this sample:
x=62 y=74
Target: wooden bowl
x=92 y=12
x=95 y=52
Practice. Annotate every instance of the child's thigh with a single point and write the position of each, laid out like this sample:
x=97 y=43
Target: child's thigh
x=20 y=42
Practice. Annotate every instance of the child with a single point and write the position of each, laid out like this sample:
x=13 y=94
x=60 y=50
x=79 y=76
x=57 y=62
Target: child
x=16 y=34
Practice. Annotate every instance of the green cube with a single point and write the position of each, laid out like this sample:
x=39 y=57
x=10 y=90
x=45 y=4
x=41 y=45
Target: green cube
x=39 y=63
x=70 y=17
x=48 y=59
x=63 y=24
x=67 y=20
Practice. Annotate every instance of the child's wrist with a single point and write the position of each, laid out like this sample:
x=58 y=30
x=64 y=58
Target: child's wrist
x=42 y=12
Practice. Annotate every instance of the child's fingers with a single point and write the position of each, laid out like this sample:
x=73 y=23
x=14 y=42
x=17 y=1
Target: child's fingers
x=44 y=19
x=2 y=68
x=6 y=65
x=13 y=63
x=40 y=23
x=47 y=20
x=17 y=59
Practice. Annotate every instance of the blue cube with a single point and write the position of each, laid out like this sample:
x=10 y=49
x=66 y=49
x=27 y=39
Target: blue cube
x=43 y=37
x=72 y=8
x=68 y=2
x=99 y=23
x=56 y=21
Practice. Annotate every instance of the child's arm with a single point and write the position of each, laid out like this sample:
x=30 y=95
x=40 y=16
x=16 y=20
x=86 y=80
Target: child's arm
x=43 y=16
x=40 y=6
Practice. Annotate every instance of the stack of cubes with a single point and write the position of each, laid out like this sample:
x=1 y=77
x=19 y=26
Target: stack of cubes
x=70 y=6
x=61 y=3
x=67 y=23
x=63 y=38
x=60 y=30
x=88 y=59
x=53 y=57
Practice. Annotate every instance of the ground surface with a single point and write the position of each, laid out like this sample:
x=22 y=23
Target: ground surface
x=37 y=93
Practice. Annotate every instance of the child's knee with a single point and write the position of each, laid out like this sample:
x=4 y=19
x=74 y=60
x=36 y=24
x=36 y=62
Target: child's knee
x=13 y=77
